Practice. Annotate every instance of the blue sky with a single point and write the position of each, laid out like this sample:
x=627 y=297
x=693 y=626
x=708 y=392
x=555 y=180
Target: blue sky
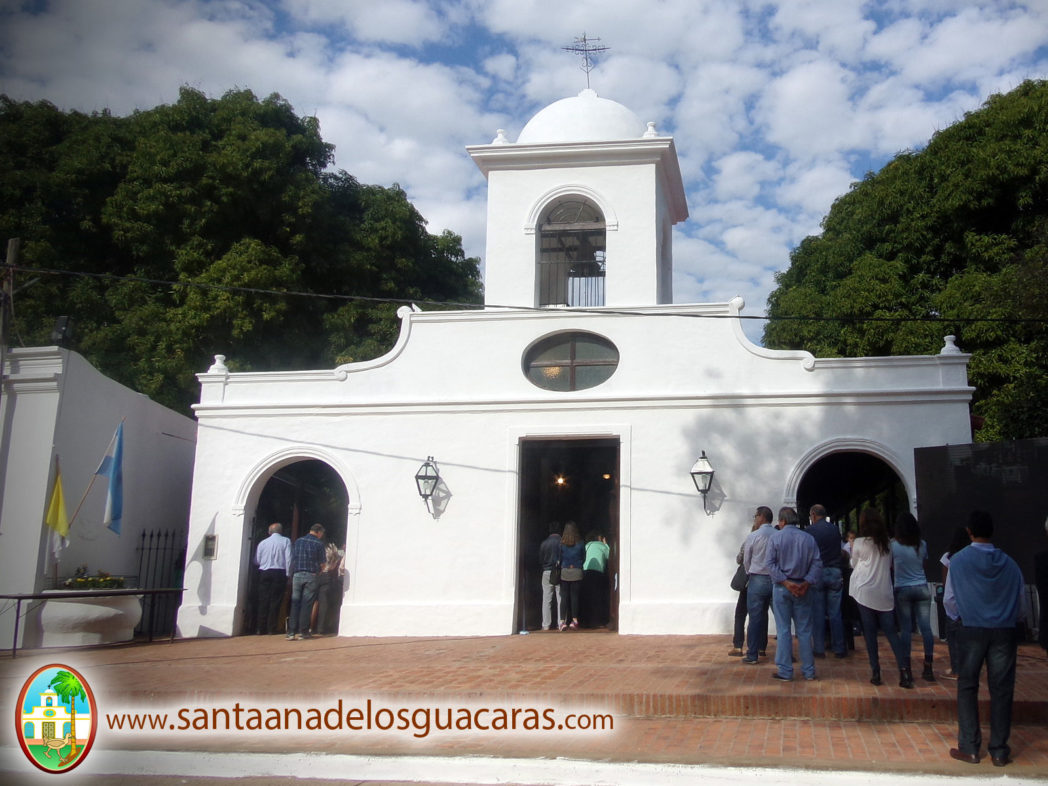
x=41 y=684
x=776 y=107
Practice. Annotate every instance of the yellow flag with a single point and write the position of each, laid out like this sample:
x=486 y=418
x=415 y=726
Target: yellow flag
x=56 y=510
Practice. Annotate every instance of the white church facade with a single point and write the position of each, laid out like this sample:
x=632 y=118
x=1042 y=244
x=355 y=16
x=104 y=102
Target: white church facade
x=580 y=391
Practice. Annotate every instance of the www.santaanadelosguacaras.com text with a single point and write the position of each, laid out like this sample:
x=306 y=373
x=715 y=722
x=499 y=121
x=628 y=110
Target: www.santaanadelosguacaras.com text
x=358 y=717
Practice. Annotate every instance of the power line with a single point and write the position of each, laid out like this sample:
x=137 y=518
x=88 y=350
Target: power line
x=932 y=318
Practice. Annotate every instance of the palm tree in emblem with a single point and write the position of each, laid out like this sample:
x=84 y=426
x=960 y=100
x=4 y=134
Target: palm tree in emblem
x=69 y=689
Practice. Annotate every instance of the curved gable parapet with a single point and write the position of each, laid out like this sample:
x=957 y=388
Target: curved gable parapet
x=951 y=361
x=807 y=359
x=403 y=314
x=611 y=221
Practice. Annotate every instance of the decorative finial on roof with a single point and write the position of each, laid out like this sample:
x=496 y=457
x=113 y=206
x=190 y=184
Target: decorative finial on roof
x=950 y=346
x=586 y=48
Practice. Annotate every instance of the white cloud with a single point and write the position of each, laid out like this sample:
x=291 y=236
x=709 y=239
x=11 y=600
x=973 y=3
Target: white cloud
x=808 y=109
x=409 y=22
x=409 y=98
x=740 y=175
x=712 y=115
x=502 y=66
x=897 y=42
x=813 y=187
x=835 y=27
x=973 y=42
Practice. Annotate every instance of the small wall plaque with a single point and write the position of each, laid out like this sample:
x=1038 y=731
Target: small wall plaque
x=210 y=546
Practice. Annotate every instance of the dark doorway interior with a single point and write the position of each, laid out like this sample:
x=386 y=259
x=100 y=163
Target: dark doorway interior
x=298 y=496
x=565 y=480
x=847 y=482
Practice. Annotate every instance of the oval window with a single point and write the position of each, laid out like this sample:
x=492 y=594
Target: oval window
x=570 y=361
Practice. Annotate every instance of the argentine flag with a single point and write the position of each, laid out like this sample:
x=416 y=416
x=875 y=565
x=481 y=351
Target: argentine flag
x=112 y=467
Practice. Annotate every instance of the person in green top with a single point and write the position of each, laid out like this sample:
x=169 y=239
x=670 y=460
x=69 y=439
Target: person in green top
x=595 y=591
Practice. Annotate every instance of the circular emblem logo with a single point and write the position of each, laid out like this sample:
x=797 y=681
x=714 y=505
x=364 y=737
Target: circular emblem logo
x=56 y=717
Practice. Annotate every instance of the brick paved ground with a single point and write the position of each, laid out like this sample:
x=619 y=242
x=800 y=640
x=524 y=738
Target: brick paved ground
x=677 y=699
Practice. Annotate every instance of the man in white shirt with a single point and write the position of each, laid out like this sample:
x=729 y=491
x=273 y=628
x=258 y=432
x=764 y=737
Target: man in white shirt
x=273 y=557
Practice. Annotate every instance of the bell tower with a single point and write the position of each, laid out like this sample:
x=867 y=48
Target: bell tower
x=581 y=209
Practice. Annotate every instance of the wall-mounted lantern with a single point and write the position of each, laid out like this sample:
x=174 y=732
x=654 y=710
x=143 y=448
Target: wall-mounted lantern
x=426 y=478
x=702 y=474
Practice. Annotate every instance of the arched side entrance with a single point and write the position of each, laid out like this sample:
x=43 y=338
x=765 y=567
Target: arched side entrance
x=296 y=489
x=847 y=475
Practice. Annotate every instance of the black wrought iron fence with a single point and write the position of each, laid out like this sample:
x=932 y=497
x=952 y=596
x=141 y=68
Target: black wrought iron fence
x=161 y=563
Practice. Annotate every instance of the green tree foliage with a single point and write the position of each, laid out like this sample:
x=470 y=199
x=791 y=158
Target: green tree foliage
x=958 y=231
x=232 y=192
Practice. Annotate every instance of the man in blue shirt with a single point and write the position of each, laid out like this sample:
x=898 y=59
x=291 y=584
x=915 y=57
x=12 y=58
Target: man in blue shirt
x=758 y=588
x=273 y=557
x=307 y=557
x=826 y=597
x=984 y=592
x=794 y=567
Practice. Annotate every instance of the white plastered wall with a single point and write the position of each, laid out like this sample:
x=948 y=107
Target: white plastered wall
x=454 y=389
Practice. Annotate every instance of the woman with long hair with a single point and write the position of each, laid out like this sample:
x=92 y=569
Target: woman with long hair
x=912 y=598
x=572 y=556
x=871 y=586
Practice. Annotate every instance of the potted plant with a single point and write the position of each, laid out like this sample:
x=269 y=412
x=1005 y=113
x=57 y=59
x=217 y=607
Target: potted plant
x=106 y=619
x=102 y=580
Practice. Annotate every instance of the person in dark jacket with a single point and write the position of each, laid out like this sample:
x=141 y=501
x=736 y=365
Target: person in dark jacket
x=549 y=556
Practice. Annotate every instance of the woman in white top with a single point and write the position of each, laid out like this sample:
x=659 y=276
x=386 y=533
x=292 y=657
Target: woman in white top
x=871 y=586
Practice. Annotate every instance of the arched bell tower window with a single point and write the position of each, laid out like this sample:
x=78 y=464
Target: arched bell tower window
x=572 y=237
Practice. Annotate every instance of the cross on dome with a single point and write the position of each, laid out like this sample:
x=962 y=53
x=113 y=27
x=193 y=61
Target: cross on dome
x=586 y=48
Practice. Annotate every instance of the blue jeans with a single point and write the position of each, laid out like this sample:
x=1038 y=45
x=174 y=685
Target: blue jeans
x=758 y=598
x=911 y=602
x=996 y=647
x=885 y=620
x=303 y=593
x=787 y=609
x=826 y=604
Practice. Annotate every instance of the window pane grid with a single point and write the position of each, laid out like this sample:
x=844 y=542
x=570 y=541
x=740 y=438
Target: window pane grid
x=571 y=361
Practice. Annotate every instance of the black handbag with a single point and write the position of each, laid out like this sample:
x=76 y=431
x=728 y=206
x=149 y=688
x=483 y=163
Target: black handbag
x=554 y=575
x=738 y=581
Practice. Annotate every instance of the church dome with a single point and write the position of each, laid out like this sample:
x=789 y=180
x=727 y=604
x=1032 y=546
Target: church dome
x=584 y=118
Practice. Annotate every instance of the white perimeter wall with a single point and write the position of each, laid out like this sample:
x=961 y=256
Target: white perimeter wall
x=55 y=402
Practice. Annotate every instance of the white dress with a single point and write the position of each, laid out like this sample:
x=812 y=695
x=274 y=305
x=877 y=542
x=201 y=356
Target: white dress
x=871 y=579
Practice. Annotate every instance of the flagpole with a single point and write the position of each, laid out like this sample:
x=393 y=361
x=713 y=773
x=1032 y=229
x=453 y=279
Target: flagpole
x=82 y=500
x=54 y=562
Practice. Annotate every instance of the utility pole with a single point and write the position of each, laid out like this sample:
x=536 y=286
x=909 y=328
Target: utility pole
x=7 y=276
x=7 y=279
